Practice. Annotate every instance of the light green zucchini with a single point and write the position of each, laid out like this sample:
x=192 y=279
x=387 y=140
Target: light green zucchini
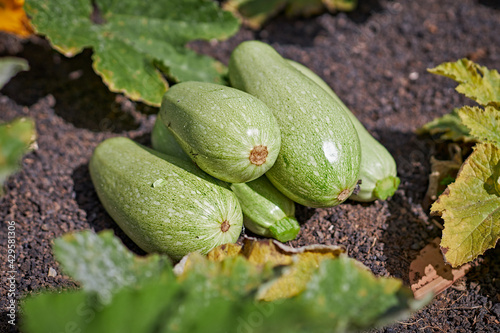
x=320 y=155
x=266 y=211
x=378 y=171
x=228 y=133
x=163 y=140
x=162 y=203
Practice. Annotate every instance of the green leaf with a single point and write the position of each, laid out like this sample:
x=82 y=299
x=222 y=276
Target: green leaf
x=102 y=264
x=16 y=138
x=9 y=67
x=470 y=207
x=56 y=312
x=448 y=127
x=475 y=81
x=135 y=42
x=483 y=124
x=141 y=309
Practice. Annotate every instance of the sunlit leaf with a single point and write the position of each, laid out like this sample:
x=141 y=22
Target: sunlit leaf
x=483 y=124
x=475 y=81
x=13 y=19
x=470 y=207
x=135 y=43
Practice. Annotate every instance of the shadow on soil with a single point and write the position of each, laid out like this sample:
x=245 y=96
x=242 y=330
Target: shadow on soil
x=495 y=4
x=302 y=32
x=485 y=276
x=408 y=227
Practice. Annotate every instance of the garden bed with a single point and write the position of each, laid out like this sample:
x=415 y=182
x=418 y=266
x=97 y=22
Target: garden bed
x=375 y=59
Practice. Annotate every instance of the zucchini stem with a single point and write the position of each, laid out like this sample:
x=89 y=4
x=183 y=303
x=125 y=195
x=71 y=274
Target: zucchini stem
x=386 y=187
x=285 y=229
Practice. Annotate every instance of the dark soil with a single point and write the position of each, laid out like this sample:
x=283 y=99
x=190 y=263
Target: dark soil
x=375 y=59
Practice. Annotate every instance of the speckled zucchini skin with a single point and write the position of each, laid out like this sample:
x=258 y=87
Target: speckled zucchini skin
x=378 y=171
x=163 y=140
x=320 y=155
x=162 y=203
x=228 y=133
x=266 y=211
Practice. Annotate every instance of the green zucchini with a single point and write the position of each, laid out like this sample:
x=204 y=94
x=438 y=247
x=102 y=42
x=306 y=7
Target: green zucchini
x=162 y=203
x=320 y=154
x=378 y=171
x=266 y=211
x=162 y=140
x=228 y=133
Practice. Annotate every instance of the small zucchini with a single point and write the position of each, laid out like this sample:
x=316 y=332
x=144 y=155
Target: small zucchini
x=266 y=211
x=228 y=133
x=378 y=171
x=162 y=203
x=320 y=154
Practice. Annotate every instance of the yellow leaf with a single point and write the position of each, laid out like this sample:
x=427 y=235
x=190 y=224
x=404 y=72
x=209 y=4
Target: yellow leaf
x=297 y=265
x=13 y=19
x=470 y=207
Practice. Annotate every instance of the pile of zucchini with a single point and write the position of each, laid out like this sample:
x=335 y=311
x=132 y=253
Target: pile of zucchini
x=227 y=156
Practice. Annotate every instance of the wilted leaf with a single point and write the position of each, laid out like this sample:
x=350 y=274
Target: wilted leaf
x=448 y=127
x=483 y=124
x=134 y=40
x=296 y=265
x=16 y=138
x=9 y=67
x=442 y=174
x=470 y=207
x=475 y=81
x=256 y=12
x=224 y=251
x=232 y=277
x=13 y=18
x=102 y=264
x=429 y=274
x=301 y=263
x=341 y=5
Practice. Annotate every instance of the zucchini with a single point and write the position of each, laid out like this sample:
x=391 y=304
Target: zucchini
x=266 y=211
x=228 y=133
x=378 y=171
x=320 y=154
x=162 y=140
x=162 y=203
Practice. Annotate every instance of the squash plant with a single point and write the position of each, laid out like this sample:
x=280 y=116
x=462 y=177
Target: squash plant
x=470 y=206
